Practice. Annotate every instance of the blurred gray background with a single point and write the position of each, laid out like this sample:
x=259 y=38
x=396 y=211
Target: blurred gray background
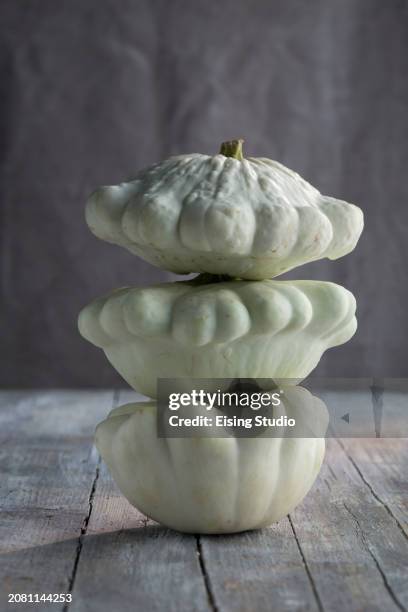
x=92 y=91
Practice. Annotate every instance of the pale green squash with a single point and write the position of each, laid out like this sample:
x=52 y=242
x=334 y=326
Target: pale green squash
x=249 y=218
x=235 y=329
x=212 y=484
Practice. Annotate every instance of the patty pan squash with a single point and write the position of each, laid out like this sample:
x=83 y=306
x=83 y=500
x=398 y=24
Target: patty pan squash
x=212 y=484
x=234 y=329
x=249 y=218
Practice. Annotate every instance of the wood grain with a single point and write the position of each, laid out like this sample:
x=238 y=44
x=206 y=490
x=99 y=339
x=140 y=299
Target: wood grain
x=65 y=526
x=48 y=468
x=258 y=570
x=355 y=551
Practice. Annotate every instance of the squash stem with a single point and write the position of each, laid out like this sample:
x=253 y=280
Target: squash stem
x=232 y=148
x=209 y=279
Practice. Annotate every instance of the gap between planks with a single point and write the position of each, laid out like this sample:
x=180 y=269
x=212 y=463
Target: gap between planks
x=84 y=528
x=362 y=535
x=307 y=568
x=206 y=577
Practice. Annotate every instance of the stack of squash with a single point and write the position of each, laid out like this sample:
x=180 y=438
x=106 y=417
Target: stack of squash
x=237 y=222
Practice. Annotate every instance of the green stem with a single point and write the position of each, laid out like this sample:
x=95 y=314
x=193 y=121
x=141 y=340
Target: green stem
x=232 y=148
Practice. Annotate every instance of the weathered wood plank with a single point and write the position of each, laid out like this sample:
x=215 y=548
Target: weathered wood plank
x=383 y=466
x=258 y=570
x=356 y=554
x=48 y=467
x=131 y=562
x=63 y=521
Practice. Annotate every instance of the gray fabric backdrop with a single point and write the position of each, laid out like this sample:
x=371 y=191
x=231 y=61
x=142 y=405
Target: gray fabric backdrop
x=93 y=90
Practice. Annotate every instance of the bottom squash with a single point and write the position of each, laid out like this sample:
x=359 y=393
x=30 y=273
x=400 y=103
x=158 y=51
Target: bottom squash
x=211 y=484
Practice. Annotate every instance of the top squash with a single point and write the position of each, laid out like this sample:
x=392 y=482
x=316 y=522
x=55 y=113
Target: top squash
x=224 y=214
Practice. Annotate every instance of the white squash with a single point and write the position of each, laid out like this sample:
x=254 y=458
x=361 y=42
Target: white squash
x=212 y=484
x=235 y=329
x=248 y=218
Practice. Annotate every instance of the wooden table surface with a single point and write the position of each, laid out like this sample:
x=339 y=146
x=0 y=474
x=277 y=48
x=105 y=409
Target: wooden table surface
x=65 y=528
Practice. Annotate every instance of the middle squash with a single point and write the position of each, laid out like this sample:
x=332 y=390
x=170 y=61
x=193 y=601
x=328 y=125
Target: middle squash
x=233 y=329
